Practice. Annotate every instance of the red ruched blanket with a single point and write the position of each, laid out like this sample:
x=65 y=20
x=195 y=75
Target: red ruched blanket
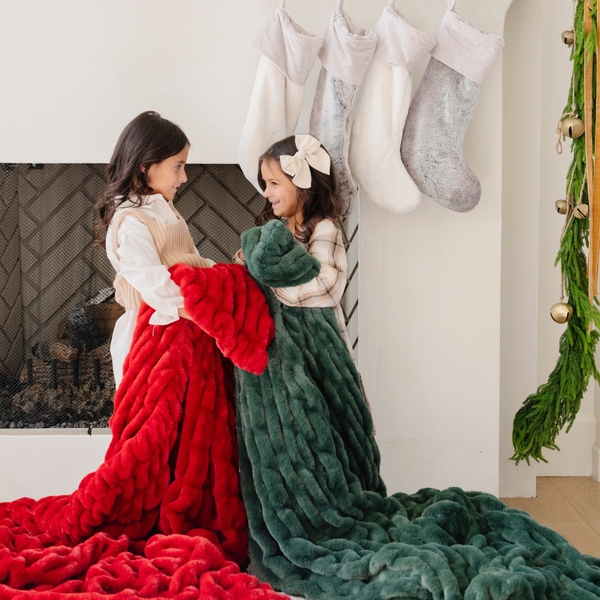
x=162 y=516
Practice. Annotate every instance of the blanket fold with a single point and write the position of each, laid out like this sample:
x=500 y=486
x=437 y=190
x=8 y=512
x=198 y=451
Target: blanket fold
x=276 y=257
x=171 y=467
x=321 y=524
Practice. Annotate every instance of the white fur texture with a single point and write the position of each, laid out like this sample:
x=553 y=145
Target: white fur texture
x=432 y=144
x=401 y=44
x=273 y=114
x=346 y=52
x=291 y=49
x=380 y=113
x=347 y=48
x=466 y=48
x=330 y=123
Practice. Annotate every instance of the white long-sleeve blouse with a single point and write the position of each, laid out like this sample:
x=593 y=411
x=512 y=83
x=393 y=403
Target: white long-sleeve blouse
x=140 y=265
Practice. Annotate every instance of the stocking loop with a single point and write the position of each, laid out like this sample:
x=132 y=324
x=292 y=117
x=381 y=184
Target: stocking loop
x=451 y=4
x=282 y=3
x=392 y=3
x=340 y=4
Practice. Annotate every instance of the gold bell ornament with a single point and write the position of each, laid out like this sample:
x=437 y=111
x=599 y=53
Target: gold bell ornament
x=582 y=211
x=568 y=37
x=561 y=207
x=561 y=312
x=573 y=127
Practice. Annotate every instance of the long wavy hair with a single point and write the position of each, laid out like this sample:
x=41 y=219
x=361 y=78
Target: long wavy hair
x=147 y=140
x=318 y=202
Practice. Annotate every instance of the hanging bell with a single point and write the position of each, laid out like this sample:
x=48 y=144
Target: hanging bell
x=561 y=312
x=568 y=37
x=562 y=206
x=573 y=127
x=582 y=211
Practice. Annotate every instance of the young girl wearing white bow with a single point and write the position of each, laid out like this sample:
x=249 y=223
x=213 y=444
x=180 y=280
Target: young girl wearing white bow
x=299 y=183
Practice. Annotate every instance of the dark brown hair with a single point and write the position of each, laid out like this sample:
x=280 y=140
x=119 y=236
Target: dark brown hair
x=147 y=140
x=318 y=202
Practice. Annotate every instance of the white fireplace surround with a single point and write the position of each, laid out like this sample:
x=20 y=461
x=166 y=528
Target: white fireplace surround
x=453 y=326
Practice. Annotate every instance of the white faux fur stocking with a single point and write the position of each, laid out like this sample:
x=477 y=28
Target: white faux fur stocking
x=288 y=53
x=380 y=113
x=345 y=55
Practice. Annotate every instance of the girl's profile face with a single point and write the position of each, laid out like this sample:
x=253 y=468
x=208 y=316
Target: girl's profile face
x=280 y=190
x=166 y=176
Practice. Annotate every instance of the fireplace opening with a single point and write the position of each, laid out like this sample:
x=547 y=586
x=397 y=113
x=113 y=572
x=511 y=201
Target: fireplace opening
x=57 y=306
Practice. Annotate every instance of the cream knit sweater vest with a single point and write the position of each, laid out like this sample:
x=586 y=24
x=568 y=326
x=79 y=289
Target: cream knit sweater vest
x=173 y=243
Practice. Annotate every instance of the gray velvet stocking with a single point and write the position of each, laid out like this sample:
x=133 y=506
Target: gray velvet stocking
x=330 y=123
x=432 y=145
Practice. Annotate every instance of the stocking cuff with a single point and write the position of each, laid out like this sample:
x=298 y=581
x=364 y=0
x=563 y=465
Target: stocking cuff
x=347 y=48
x=289 y=47
x=400 y=43
x=465 y=48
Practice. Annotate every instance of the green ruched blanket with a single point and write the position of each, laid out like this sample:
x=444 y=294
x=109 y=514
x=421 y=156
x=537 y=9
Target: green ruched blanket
x=320 y=522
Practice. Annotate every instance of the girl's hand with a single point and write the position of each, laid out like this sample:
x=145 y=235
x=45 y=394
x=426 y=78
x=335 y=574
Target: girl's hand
x=183 y=314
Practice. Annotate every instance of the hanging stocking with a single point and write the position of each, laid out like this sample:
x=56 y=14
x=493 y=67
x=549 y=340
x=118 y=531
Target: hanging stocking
x=288 y=53
x=345 y=55
x=380 y=113
x=442 y=109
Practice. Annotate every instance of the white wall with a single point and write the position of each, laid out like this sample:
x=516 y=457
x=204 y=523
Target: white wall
x=76 y=72
x=522 y=96
x=430 y=310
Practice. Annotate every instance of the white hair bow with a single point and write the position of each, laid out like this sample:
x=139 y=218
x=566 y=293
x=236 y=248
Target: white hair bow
x=309 y=153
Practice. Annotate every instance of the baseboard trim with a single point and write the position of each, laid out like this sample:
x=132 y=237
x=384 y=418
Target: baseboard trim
x=596 y=463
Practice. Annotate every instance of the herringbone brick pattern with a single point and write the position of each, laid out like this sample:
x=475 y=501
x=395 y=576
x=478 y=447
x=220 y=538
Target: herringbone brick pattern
x=11 y=318
x=58 y=267
x=218 y=204
x=350 y=299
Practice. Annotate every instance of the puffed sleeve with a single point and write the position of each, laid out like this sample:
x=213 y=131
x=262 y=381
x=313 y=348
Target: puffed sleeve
x=140 y=265
x=327 y=288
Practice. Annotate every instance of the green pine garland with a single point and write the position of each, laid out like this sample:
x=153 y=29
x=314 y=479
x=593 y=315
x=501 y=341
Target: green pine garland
x=556 y=403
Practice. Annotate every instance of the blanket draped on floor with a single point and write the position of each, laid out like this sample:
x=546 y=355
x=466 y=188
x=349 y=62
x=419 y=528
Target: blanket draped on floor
x=171 y=468
x=321 y=525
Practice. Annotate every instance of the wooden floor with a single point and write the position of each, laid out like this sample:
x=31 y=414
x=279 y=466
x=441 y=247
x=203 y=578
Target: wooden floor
x=570 y=506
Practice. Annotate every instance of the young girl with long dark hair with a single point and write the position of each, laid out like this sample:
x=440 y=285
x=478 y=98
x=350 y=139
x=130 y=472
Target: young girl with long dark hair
x=144 y=232
x=173 y=449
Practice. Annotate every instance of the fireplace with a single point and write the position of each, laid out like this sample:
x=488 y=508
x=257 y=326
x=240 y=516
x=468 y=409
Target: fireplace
x=57 y=307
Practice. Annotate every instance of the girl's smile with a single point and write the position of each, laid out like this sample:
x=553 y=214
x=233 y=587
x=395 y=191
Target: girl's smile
x=281 y=193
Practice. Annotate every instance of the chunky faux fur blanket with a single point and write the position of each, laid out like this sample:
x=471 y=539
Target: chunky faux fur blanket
x=321 y=525
x=170 y=470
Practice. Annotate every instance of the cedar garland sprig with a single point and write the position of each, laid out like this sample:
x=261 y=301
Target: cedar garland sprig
x=556 y=403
